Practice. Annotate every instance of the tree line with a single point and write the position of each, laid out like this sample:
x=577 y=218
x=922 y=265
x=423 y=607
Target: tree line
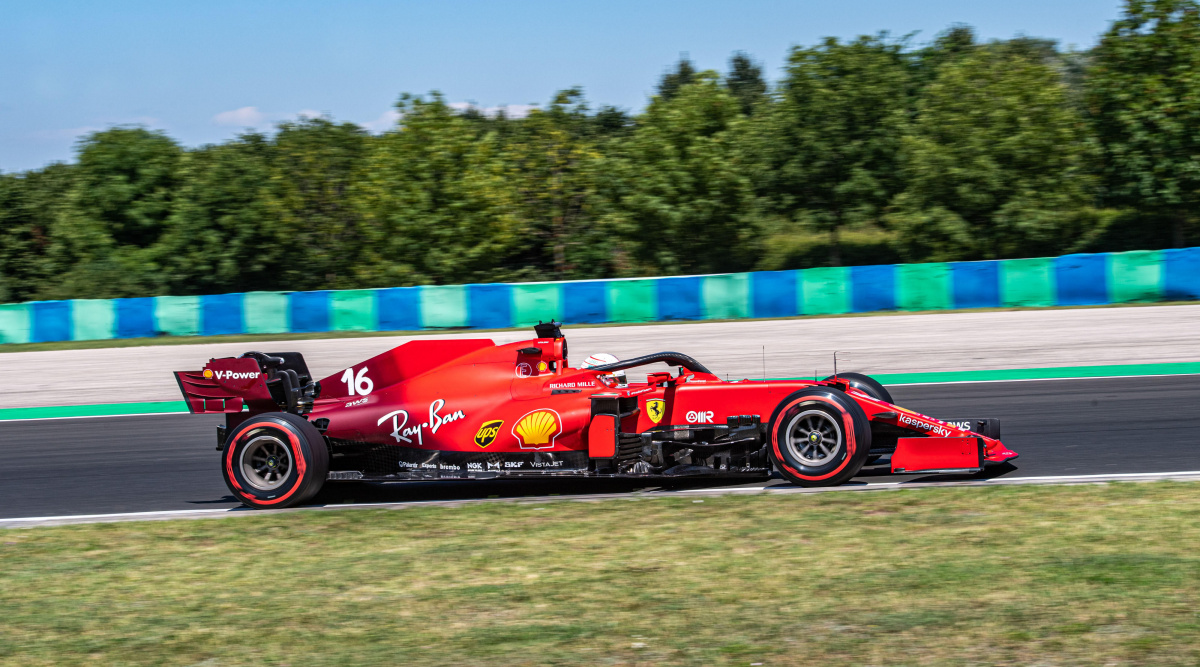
x=870 y=150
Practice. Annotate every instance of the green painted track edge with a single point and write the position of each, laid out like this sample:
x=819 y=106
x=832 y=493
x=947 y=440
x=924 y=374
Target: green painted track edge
x=98 y=410
x=1060 y=373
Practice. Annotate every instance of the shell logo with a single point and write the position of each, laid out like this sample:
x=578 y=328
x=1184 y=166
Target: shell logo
x=538 y=429
x=207 y=374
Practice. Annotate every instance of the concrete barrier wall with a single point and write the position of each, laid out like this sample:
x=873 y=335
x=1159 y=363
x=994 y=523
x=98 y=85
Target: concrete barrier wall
x=1070 y=280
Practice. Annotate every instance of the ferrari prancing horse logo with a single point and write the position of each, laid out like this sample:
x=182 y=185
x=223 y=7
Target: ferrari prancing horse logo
x=655 y=407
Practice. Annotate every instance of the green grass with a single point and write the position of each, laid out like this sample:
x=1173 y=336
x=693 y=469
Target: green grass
x=1069 y=575
x=255 y=338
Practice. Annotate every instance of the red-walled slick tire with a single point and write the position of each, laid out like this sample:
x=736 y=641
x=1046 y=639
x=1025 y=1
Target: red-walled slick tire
x=819 y=437
x=871 y=387
x=866 y=384
x=275 y=460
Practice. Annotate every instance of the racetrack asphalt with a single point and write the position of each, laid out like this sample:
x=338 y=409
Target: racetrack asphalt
x=149 y=463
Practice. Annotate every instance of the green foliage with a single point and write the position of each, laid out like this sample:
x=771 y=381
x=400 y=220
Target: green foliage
x=958 y=40
x=685 y=203
x=222 y=234
x=864 y=151
x=805 y=248
x=995 y=162
x=555 y=171
x=674 y=80
x=1143 y=92
x=434 y=201
x=831 y=142
x=315 y=163
x=126 y=179
x=30 y=205
x=123 y=191
x=610 y=121
x=745 y=82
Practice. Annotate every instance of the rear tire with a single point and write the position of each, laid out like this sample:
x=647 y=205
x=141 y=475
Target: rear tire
x=275 y=460
x=819 y=437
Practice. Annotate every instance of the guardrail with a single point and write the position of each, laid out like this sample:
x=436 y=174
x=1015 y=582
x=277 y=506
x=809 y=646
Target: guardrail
x=1070 y=280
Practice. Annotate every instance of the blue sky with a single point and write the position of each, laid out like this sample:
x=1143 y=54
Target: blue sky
x=202 y=71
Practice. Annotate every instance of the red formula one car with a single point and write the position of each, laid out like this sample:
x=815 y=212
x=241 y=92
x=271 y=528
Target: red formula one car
x=471 y=409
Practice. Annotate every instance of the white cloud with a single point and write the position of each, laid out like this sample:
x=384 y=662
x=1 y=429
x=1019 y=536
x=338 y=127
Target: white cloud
x=386 y=121
x=243 y=117
x=519 y=110
x=253 y=117
x=510 y=110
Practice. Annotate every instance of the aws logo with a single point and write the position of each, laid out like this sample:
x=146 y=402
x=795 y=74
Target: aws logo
x=538 y=429
x=655 y=409
x=487 y=433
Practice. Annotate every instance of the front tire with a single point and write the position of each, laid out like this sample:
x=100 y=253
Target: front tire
x=819 y=437
x=871 y=387
x=866 y=384
x=275 y=460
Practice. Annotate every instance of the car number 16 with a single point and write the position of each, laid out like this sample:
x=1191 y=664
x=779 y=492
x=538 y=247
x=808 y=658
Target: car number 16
x=360 y=385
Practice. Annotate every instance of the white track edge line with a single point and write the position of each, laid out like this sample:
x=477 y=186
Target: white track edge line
x=125 y=515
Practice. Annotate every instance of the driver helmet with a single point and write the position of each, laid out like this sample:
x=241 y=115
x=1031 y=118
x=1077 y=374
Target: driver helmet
x=602 y=358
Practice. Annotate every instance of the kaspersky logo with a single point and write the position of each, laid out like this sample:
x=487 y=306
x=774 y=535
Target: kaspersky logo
x=537 y=429
x=905 y=420
x=228 y=375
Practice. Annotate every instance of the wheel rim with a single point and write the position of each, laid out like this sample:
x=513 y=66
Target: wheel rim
x=266 y=462
x=814 y=438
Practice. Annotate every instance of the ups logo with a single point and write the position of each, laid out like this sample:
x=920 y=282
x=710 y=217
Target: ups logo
x=487 y=433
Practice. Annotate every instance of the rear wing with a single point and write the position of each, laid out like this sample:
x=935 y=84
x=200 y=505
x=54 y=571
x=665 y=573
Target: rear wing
x=262 y=382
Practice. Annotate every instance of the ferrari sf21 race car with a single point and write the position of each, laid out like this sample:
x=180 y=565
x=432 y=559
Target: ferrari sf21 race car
x=471 y=409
